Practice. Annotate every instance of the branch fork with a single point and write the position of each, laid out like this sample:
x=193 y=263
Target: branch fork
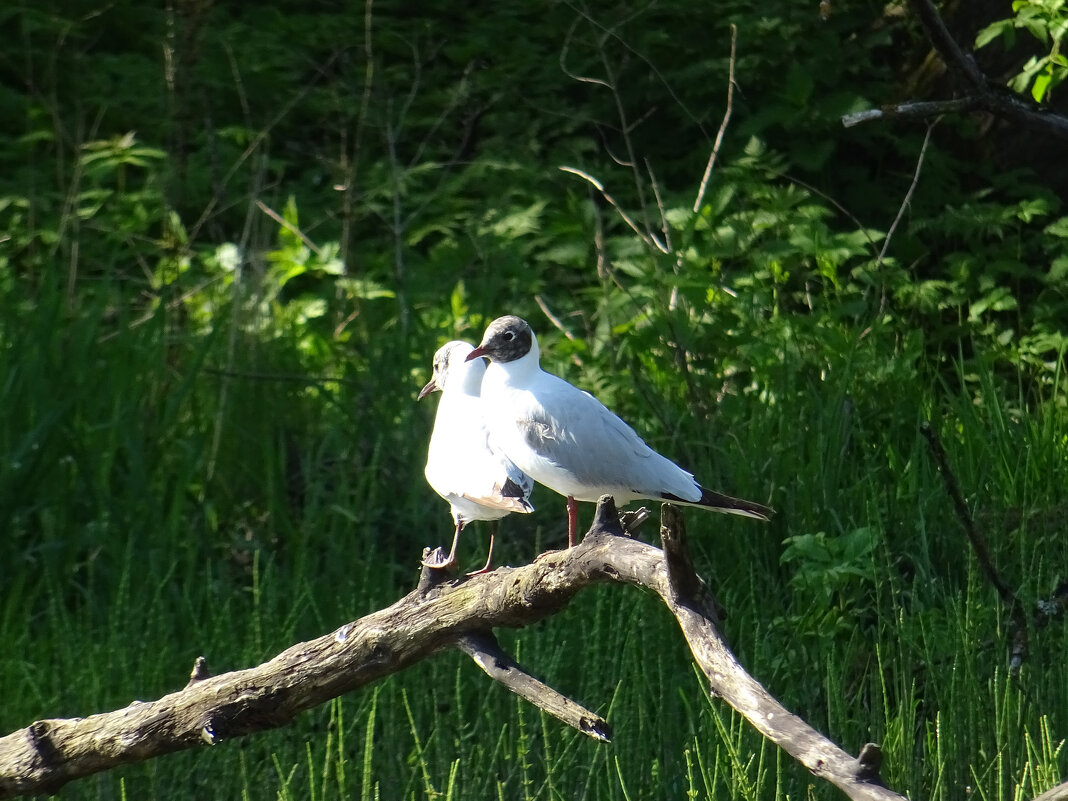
x=440 y=613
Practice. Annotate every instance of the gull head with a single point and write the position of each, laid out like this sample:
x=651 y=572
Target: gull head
x=507 y=339
x=453 y=368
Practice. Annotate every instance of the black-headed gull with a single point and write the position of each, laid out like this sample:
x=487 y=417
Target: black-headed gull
x=478 y=482
x=569 y=441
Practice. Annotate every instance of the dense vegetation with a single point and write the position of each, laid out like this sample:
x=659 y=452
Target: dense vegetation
x=233 y=235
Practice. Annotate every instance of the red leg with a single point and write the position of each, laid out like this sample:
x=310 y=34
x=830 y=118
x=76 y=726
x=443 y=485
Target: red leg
x=572 y=522
x=489 y=556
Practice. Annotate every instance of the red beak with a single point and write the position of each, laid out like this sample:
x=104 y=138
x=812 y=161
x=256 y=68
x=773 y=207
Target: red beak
x=479 y=351
x=431 y=387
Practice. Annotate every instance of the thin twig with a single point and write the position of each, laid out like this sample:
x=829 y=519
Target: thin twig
x=823 y=195
x=908 y=194
x=575 y=358
x=562 y=60
x=678 y=99
x=295 y=378
x=665 y=227
x=350 y=166
x=282 y=221
x=553 y=318
x=611 y=201
x=722 y=126
x=964 y=516
x=254 y=145
x=625 y=130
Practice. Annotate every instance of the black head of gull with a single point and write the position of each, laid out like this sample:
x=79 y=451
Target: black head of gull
x=507 y=339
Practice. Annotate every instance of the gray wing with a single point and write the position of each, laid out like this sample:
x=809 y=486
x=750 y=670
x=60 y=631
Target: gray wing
x=575 y=432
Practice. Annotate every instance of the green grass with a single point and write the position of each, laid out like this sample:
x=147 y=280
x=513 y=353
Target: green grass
x=210 y=445
x=154 y=516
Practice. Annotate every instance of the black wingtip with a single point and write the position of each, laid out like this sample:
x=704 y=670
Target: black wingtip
x=512 y=490
x=718 y=502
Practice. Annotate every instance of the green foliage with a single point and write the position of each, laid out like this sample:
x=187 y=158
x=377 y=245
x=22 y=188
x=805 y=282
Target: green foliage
x=835 y=570
x=1047 y=22
x=223 y=278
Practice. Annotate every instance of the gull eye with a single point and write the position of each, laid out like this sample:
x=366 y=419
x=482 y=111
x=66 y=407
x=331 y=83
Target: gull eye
x=509 y=336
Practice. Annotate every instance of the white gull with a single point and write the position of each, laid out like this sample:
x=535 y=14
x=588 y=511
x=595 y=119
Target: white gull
x=569 y=441
x=461 y=466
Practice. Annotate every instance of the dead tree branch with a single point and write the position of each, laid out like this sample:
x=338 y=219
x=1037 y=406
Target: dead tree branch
x=442 y=613
x=981 y=94
x=1018 y=626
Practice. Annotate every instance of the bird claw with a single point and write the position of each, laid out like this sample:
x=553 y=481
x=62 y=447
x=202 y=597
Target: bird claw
x=437 y=560
x=630 y=520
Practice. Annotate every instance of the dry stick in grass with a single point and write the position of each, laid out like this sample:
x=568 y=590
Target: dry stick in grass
x=1008 y=596
x=908 y=195
x=440 y=614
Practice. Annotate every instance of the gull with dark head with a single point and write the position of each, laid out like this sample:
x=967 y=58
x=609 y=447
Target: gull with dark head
x=569 y=441
x=479 y=482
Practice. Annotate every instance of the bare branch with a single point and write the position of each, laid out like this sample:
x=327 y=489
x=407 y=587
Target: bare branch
x=983 y=94
x=908 y=194
x=485 y=650
x=440 y=614
x=684 y=594
x=722 y=126
x=905 y=111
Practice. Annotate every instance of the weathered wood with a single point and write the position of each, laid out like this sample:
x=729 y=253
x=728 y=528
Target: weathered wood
x=729 y=680
x=484 y=649
x=1058 y=793
x=440 y=614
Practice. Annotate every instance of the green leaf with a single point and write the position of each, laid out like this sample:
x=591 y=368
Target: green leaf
x=1041 y=84
x=1058 y=270
x=992 y=32
x=1057 y=228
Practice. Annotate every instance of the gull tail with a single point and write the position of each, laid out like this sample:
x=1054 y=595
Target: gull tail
x=718 y=502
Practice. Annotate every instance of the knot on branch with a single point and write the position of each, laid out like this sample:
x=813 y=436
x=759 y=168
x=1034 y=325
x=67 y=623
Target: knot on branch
x=40 y=735
x=606 y=519
x=199 y=672
x=869 y=760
